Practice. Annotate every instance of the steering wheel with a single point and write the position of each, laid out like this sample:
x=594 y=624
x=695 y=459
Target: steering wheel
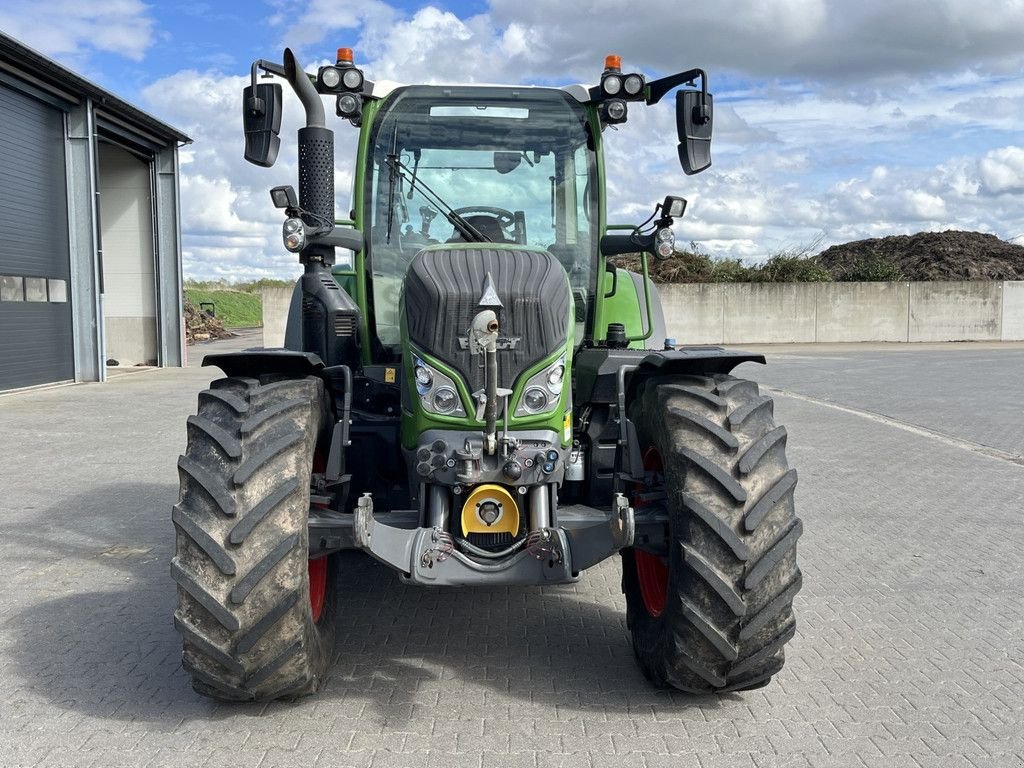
x=505 y=218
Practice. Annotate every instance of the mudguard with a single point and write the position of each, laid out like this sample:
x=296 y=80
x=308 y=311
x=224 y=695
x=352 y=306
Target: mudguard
x=256 y=362
x=597 y=368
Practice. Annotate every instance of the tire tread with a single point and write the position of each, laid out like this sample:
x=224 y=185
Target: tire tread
x=733 y=535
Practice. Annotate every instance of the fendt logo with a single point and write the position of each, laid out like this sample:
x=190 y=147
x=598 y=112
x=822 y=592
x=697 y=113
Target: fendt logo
x=504 y=342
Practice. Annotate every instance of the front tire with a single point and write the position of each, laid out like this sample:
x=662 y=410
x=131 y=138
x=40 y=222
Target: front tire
x=714 y=612
x=255 y=615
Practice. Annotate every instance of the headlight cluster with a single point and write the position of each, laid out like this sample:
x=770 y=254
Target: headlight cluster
x=622 y=86
x=664 y=243
x=438 y=393
x=345 y=79
x=618 y=88
x=293 y=232
x=343 y=76
x=543 y=390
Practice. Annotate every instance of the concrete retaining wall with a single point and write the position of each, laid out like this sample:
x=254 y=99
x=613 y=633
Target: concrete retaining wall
x=275 y=314
x=771 y=313
x=1013 y=311
x=779 y=313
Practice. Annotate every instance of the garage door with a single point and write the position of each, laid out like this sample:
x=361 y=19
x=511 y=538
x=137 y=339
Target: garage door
x=36 y=344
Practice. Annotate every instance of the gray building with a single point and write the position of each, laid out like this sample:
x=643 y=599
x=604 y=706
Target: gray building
x=90 y=239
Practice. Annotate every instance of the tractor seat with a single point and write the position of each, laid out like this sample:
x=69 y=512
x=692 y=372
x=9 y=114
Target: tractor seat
x=487 y=226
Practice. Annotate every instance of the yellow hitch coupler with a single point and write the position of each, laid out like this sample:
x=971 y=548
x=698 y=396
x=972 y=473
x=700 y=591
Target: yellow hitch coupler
x=490 y=508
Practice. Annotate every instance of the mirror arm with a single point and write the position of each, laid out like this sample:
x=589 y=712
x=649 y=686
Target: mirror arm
x=342 y=237
x=618 y=245
x=657 y=89
x=268 y=67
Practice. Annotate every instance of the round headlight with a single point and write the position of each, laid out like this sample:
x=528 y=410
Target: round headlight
x=535 y=399
x=353 y=79
x=612 y=84
x=445 y=400
x=666 y=250
x=330 y=77
x=555 y=378
x=292 y=225
x=347 y=105
x=616 y=109
x=633 y=84
x=665 y=235
x=423 y=376
x=294 y=241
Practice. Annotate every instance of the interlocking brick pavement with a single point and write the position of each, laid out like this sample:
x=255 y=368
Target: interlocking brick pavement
x=909 y=650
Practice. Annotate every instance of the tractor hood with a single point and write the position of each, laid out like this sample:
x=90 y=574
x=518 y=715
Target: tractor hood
x=447 y=286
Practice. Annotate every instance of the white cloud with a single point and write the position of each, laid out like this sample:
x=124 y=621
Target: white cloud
x=818 y=39
x=832 y=120
x=922 y=206
x=1002 y=170
x=71 y=29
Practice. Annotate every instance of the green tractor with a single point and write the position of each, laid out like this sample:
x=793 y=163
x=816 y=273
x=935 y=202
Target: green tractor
x=473 y=394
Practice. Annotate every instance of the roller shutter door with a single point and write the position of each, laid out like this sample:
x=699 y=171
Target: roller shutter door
x=36 y=341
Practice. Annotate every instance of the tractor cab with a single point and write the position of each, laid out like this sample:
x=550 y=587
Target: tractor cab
x=510 y=167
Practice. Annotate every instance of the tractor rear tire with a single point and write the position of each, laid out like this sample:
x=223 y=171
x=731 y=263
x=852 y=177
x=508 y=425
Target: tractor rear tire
x=715 y=613
x=255 y=615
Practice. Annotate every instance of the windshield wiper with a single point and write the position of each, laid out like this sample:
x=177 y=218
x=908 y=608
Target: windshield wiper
x=401 y=170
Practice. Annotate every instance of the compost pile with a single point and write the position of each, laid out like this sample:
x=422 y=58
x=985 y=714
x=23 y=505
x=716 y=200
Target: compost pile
x=202 y=326
x=951 y=255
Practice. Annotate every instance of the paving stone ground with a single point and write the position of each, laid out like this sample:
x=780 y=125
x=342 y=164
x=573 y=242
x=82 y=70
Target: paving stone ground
x=911 y=621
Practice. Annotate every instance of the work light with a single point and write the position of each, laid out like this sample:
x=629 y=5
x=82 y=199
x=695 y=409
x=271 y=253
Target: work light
x=349 y=106
x=614 y=111
x=611 y=84
x=353 y=79
x=330 y=77
x=633 y=84
x=673 y=207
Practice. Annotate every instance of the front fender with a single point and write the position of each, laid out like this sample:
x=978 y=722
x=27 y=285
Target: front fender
x=257 y=362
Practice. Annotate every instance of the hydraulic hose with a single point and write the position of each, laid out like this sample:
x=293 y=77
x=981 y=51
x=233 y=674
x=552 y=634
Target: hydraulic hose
x=491 y=407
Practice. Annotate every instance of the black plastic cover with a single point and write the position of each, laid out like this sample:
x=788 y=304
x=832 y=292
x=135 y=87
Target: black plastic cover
x=442 y=293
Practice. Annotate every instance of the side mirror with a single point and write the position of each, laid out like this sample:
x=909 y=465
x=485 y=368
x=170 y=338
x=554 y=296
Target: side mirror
x=693 y=123
x=261 y=118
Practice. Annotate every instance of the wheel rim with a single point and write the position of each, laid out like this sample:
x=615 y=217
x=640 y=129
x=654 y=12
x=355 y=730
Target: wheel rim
x=651 y=569
x=317 y=586
x=318 y=567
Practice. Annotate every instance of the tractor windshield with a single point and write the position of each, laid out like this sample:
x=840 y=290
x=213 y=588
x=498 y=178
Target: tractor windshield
x=488 y=164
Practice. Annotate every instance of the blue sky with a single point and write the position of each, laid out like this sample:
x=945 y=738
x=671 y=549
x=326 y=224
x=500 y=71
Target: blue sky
x=834 y=121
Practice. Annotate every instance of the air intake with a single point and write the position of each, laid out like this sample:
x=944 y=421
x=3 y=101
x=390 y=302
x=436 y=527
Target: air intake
x=344 y=325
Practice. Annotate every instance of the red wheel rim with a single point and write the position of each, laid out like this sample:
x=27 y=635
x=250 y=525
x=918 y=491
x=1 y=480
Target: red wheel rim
x=318 y=567
x=317 y=586
x=651 y=569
